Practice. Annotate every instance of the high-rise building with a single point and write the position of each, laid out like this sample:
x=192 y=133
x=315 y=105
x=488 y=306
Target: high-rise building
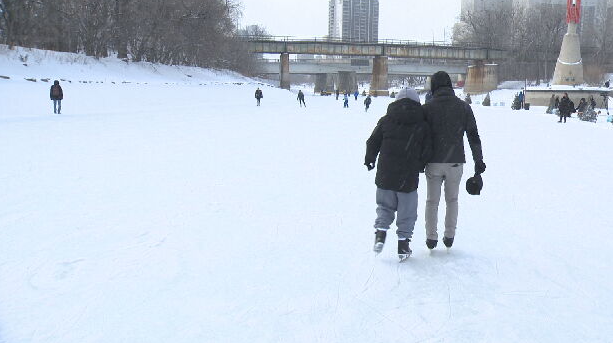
x=483 y=5
x=355 y=20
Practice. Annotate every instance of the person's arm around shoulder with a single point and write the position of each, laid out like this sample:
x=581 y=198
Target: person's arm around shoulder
x=427 y=148
x=373 y=145
x=474 y=140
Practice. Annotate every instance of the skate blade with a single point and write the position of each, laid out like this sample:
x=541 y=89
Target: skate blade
x=403 y=257
x=378 y=248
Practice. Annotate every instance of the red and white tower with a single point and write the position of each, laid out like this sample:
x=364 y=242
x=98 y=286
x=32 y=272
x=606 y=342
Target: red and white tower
x=569 y=68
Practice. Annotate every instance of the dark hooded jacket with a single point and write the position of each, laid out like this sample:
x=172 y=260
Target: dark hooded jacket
x=566 y=107
x=58 y=94
x=449 y=118
x=402 y=141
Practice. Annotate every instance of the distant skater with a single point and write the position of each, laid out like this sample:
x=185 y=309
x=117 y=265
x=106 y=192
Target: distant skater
x=337 y=93
x=355 y=94
x=345 y=101
x=301 y=98
x=566 y=107
x=552 y=103
x=57 y=95
x=258 y=95
x=367 y=102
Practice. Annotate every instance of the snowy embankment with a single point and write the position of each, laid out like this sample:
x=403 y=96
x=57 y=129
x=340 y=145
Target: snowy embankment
x=184 y=213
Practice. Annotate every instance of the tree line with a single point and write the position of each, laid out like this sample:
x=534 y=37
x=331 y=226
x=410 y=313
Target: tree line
x=182 y=32
x=533 y=37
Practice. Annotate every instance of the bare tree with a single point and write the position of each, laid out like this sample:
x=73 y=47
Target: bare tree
x=187 y=32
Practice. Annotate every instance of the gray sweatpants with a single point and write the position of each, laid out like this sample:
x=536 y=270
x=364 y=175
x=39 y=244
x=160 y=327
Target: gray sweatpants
x=390 y=202
x=437 y=174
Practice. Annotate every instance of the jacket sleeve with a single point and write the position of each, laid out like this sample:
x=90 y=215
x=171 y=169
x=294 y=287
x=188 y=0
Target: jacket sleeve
x=427 y=149
x=61 y=93
x=51 y=93
x=473 y=135
x=373 y=144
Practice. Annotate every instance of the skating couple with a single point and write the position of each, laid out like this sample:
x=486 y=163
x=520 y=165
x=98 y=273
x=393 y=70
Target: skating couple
x=410 y=139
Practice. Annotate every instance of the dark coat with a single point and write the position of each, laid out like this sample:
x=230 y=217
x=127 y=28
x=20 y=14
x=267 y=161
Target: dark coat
x=61 y=93
x=258 y=94
x=449 y=118
x=300 y=96
x=566 y=107
x=402 y=141
x=582 y=106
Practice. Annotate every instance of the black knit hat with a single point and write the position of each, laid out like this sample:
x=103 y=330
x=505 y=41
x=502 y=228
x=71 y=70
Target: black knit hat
x=474 y=185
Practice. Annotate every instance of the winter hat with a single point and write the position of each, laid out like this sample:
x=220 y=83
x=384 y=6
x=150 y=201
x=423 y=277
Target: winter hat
x=440 y=79
x=474 y=185
x=407 y=93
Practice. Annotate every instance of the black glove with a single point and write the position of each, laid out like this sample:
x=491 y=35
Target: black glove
x=479 y=167
x=370 y=165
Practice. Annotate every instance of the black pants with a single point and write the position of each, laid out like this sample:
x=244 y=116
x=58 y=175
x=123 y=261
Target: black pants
x=562 y=116
x=302 y=102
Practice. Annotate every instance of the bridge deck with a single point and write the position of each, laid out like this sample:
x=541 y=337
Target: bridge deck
x=395 y=50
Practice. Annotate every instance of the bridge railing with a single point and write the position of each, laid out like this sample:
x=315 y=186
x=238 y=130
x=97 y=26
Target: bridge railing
x=361 y=41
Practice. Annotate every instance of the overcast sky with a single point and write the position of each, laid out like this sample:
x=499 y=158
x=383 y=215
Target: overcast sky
x=420 y=20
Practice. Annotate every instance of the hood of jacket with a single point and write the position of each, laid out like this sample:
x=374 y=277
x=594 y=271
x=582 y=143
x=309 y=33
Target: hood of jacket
x=440 y=80
x=406 y=111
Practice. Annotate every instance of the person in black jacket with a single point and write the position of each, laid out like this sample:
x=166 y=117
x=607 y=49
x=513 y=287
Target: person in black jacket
x=566 y=107
x=449 y=118
x=258 y=95
x=402 y=141
x=367 y=102
x=300 y=98
x=57 y=95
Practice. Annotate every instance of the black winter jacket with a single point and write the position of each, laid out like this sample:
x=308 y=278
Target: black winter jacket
x=60 y=92
x=402 y=141
x=566 y=107
x=449 y=117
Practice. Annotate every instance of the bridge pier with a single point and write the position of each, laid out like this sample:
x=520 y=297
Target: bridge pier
x=321 y=82
x=324 y=82
x=284 y=75
x=379 y=85
x=347 y=81
x=428 y=85
x=481 y=78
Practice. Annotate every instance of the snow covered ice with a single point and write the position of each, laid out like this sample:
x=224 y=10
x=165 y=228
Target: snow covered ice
x=172 y=209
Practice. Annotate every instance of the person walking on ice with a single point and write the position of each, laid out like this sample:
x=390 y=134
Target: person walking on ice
x=449 y=118
x=402 y=142
x=356 y=94
x=258 y=95
x=301 y=98
x=367 y=102
x=345 y=101
x=57 y=95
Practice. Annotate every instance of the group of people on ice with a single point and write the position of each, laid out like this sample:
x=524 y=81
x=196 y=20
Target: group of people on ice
x=412 y=139
x=259 y=95
x=565 y=107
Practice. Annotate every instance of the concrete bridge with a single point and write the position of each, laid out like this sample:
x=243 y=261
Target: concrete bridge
x=380 y=52
x=361 y=67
